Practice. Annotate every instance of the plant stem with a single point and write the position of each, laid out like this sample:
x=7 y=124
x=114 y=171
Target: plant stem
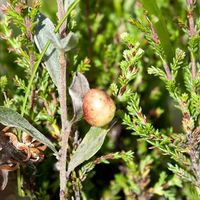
x=65 y=132
x=155 y=36
x=61 y=13
x=191 y=33
x=19 y=190
x=63 y=105
x=19 y=183
x=194 y=156
x=32 y=77
x=63 y=155
x=63 y=102
x=32 y=90
x=190 y=5
x=62 y=90
x=156 y=40
x=6 y=99
x=167 y=70
x=66 y=15
x=193 y=64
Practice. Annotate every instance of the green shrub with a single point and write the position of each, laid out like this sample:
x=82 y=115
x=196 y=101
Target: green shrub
x=53 y=53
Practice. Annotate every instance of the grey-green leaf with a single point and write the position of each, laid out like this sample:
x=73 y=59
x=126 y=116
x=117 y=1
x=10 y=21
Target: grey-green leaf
x=69 y=42
x=44 y=30
x=89 y=146
x=77 y=90
x=11 y=118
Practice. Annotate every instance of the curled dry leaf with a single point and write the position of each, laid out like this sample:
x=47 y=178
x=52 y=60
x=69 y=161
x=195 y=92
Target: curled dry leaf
x=78 y=88
x=13 y=152
x=10 y=158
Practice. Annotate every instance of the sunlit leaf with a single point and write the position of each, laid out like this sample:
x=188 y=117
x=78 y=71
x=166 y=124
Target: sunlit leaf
x=11 y=118
x=44 y=32
x=89 y=146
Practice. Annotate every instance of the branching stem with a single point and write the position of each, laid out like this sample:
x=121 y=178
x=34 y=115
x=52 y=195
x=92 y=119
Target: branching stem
x=190 y=5
x=156 y=40
x=167 y=70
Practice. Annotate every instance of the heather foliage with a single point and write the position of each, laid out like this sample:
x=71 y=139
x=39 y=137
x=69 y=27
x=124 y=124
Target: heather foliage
x=144 y=54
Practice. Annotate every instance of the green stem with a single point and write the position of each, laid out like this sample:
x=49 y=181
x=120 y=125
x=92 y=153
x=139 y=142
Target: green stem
x=32 y=77
x=160 y=27
x=19 y=181
x=193 y=64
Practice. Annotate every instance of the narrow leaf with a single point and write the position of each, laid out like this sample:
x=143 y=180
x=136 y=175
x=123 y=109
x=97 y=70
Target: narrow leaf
x=43 y=30
x=89 y=146
x=160 y=27
x=11 y=118
x=77 y=90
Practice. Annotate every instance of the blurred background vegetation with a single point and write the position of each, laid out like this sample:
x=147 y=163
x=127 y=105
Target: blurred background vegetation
x=99 y=24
